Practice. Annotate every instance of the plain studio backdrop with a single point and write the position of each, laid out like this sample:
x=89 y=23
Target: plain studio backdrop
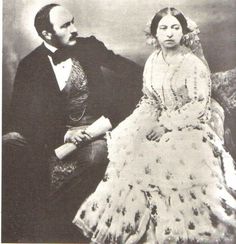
x=120 y=25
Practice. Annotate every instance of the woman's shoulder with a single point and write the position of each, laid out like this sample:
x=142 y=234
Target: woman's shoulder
x=152 y=56
x=192 y=60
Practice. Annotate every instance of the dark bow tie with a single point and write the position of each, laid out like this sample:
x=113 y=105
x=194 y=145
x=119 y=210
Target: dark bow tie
x=60 y=55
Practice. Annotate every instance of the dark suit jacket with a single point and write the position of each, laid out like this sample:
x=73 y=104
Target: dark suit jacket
x=38 y=107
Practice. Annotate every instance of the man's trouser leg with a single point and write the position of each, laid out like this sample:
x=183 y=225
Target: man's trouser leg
x=24 y=184
x=92 y=162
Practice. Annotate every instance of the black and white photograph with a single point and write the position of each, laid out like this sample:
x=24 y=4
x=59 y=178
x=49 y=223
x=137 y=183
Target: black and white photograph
x=118 y=121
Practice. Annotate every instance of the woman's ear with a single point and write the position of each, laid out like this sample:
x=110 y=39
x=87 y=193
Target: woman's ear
x=47 y=35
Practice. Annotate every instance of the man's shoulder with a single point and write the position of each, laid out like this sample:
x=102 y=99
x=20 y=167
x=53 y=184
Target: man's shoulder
x=91 y=47
x=90 y=42
x=34 y=55
x=85 y=40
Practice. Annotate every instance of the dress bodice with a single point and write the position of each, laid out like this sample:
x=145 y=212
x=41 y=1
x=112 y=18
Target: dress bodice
x=182 y=88
x=168 y=81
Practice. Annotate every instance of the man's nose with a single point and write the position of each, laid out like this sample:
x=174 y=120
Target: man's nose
x=73 y=28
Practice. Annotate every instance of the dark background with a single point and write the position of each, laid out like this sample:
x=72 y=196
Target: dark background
x=120 y=25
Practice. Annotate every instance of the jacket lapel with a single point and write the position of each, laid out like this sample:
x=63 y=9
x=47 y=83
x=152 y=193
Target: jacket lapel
x=47 y=75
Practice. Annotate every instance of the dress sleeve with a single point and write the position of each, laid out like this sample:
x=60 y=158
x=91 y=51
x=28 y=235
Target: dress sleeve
x=195 y=111
x=149 y=102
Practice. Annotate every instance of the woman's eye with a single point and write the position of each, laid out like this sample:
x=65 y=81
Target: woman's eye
x=162 y=27
x=176 y=28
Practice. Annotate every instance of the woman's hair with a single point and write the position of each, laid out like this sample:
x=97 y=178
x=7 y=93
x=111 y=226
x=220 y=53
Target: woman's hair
x=165 y=11
x=42 y=19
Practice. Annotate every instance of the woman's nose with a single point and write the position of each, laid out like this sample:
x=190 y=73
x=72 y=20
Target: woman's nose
x=169 y=33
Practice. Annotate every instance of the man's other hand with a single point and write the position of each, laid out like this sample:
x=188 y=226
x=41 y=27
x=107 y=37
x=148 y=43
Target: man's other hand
x=14 y=138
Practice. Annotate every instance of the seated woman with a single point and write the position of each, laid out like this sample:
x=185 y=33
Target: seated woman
x=169 y=179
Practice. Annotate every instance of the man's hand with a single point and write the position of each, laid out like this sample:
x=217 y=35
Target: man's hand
x=76 y=136
x=156 y=133
x=14 y=138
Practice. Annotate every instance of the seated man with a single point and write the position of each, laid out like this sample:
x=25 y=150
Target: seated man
x=57 y=86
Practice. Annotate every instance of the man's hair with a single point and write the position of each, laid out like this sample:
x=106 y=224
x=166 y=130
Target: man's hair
x=163 y=12
x=42 y=19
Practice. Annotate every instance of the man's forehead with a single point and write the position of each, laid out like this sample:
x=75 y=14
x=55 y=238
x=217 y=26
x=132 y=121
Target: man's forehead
x=60 y=15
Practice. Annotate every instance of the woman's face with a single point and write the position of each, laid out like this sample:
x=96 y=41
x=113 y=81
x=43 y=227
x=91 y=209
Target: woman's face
x=169 y=32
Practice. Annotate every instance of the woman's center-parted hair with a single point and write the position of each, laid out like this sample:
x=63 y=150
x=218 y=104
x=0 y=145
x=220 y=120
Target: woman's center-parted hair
x=165 y=11
x=42 y=19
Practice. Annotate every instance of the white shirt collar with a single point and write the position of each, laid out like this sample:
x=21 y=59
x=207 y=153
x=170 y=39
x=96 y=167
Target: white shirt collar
x=50 y=47
x=62 y=71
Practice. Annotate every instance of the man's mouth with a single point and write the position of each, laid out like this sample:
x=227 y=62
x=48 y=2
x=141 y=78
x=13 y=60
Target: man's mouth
x=73 y=37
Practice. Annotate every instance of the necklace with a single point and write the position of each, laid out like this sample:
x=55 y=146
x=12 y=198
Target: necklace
x=171 y=78
x=174 y=57
x=164 y=59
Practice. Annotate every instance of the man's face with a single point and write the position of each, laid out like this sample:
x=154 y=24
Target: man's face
x=65 y=32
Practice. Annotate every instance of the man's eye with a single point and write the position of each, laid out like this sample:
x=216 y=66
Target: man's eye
x=65 y=25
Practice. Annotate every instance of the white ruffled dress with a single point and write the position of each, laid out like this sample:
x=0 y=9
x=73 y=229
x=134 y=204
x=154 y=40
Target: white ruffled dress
x=177 y=190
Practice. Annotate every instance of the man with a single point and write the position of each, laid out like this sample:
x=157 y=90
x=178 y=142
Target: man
x=57 y=86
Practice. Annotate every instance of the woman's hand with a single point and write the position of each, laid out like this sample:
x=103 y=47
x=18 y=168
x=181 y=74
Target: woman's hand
x=156 y=133
x=76 y=136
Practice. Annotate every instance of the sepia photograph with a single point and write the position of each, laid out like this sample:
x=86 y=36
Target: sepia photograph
x=118 y=121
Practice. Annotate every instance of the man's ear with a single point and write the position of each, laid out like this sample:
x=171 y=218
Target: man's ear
x=47 y=35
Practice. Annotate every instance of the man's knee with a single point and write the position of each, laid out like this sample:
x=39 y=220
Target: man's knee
x=13 y=144
x=98 y=152
x=91 y=154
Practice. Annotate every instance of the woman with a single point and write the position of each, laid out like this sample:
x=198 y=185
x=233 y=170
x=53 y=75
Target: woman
x=169 y=177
